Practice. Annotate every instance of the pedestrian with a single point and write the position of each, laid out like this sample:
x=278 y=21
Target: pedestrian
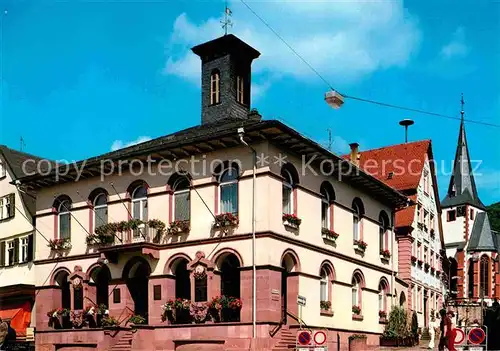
x=451 y=333
x=4 y=332
x=442 y=330
x=432 y=331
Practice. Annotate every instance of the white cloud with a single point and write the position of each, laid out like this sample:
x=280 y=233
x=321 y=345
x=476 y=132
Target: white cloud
x=456 y=47
x=120 y=144
x=343 y=41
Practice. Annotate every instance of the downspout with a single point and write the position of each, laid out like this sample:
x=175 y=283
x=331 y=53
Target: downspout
x=393 y=238
x=241 y=133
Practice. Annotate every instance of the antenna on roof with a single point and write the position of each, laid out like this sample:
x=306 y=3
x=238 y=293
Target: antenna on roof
x=227 y=20
x=462 y=112
x=406 y=123
x=22 y=144
x=329 y=139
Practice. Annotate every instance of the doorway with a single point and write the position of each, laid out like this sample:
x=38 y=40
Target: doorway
x=289 y=264
x=137 y=272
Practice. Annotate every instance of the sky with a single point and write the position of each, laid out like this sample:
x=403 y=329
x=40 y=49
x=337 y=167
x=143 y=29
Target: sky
x=81 y=78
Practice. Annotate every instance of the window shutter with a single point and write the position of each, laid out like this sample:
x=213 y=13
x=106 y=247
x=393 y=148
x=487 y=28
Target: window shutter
x=30 y=248
x=12 y=206
x=16 y=250
x=69 y=227
x=2 y=253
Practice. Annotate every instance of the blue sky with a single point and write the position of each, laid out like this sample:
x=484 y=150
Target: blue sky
x=80 y=78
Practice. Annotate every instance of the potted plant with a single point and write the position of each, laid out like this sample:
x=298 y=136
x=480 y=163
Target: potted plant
x=420 y=262
x=414 y=259
x=291 y=220
x=168 y=311
x=214 y=308
x=109 y=321
x=54 y=318
x=360 y=245
x=356 y=310
x=137 y=319
x=385 y=254
x=89 y=316
x=397 y=330
x=325 y=305
x=77 y=320
x=182 y=307
x=382 y=315
x=59 y=244
x=426 y=266
x=328 y=234
x=198 y=312
x=65 y=318
x=224 y=220
x=357 y=342
x=178 y=227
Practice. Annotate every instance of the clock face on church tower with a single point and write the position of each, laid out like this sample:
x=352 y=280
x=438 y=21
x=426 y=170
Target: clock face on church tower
x=199 y=269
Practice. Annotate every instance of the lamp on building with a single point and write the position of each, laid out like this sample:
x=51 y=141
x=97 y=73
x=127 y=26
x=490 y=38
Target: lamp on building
x=334 y=99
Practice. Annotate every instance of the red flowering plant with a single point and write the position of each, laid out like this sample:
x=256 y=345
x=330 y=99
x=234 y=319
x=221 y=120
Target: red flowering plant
x=177 y=227
x=235 y=303
x=385 y=253
x=325 y=305
x=382 y=314
x=360 y=244
x=182 y=304
x=291 y=219
x=168 y=310
x=225 y=220
x=356 y=309
x=59 y=244
x=427 y=266
x=198 y=311
x=413 y=259
x=420 y=262
x=215 y=303
x=329 y=234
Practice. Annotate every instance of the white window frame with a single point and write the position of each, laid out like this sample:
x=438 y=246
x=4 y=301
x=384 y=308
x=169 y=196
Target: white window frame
x=381 y=293
x=179 y=192
x=60 y=213
x=356 y=222
x=215 y=91
x=325 y=201
x=143 y=203
x=240 y=89
x=288 y=184
x=226 y=183
x=355 y=292
x=324 y=286
x=23 y=249
x=9 y=246
x=98 y=207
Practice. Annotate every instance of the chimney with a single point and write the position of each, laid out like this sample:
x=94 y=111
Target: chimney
x=354 y=155
x=225 y=78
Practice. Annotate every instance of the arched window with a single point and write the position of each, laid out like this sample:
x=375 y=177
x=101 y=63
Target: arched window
x=228 y=186
x=64 y=218
x=181 y=201
x=323 y=290
x=139 y=210
x=182 y=280
x=200 y=289
x=215 y=87
x=327 y=197
x=357 y=284
x=383 y=288
x=484 y=277
x=383 y=231
x=100 y=210
x=62 y=282
x=470 y=276
x=357 y=212
x=290 y=180
x=402 y=299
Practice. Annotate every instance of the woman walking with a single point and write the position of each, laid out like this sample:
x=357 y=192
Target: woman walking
x=432 y=331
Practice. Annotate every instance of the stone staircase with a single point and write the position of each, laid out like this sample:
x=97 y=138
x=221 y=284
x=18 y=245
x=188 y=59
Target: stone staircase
x=285 y=340
x=124 y=342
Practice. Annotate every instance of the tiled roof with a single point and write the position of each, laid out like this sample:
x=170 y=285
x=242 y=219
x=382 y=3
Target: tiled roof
x=482 y=238
x=405 y=217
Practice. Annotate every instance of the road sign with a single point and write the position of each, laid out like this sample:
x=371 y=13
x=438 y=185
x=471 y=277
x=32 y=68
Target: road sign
x=301 y=300
x=476 y=336
x=304 y=337
x=459 y=336
x=319 y=337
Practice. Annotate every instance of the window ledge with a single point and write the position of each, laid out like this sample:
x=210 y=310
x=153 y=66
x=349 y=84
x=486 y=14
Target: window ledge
x=327 y=313
x=359 y=251
x=382 y=320
x=384 y=259
x=357 y=317
x=289 y=225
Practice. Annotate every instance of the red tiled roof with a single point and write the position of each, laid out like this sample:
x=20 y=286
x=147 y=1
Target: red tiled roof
x=404 y=161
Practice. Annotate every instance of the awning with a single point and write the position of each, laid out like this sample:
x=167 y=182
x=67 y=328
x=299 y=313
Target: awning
x=19 y=316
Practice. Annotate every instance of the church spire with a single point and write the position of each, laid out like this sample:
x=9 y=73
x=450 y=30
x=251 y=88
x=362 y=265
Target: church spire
x=462 y=189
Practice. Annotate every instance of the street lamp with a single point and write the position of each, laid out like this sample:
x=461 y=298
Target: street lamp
x=334 y=99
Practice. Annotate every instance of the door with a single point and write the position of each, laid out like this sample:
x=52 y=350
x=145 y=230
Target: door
x=426 y=317
x=284 y=276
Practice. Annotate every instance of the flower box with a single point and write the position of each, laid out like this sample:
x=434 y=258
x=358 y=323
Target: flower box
x=225 y=220
x=59 y=244
x=325 y=305
x=360 y=245
x=356 y=310
x=178 y=227
x=100 y=239
x=329 y=235
x=291 y=220
x=420 y=262
x=413 y=260
x=385 y=255
x=427 y=266
x=382 y=314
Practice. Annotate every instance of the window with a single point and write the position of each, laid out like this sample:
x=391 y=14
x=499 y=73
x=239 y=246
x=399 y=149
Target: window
x=451 y=215
x=419 y=297
x=287 y=190
x=484 y=279
x=357 y=284
x=78 y=298
x=419 y=213
x=2 y=170
x=10 y=253
x=382 y=296
x=139 y=208
x=432 y=258
x=181 y=199
x=100 y=210
x=215 y=87
x=327 y=196
x=414 y=248
x=64 y=219
x=419 y=251
x=426 y=182
x=461 y=211
x=200 y=289
x=383 y=231
x=414 y=298
x=323 y=291
x=431 y=222
x=426 y=218
x=357 y=212
x=24 y=249
x=471 y=213
x=425 y=255
x=7 y=206
x=240 y=96
x=470 y=280
x=229 y=190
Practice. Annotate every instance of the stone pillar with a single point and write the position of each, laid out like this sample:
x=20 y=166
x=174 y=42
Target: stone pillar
x=213 y=285
x=90 y=295
x=460 y=273
x=47 y=299
x=154 y=306
x=169 y=287
x=246 y=295
x=268 y=294
x=292 y=293
x=119 y=308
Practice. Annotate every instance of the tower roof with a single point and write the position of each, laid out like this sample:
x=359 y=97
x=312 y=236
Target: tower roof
x=462 y=188
x=227 y=44
x=482 y=237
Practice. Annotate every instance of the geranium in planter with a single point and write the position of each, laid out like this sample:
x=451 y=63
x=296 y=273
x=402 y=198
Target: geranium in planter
x=168 y=311
x=109 y=321
x=224 y=220
x=360 y=245
x=328 y=234
x=178 y=227
x=427 y=266
x=54 y=320
x=182 y=307
x=77 y=320
x=356 y=310
x=137 y=319
x=59 y=244
x=413 y=259
x=382 y=314
x=198 y=312
x=325 y=305
x=291 y=220
x=420 y=262
x=214 y=308
x=385 y=254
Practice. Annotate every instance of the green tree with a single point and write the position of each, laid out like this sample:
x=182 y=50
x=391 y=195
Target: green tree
x=494 y=216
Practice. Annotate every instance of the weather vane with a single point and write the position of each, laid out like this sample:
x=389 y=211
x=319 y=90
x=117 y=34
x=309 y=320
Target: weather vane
x=462 y=103
x=227 y=20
